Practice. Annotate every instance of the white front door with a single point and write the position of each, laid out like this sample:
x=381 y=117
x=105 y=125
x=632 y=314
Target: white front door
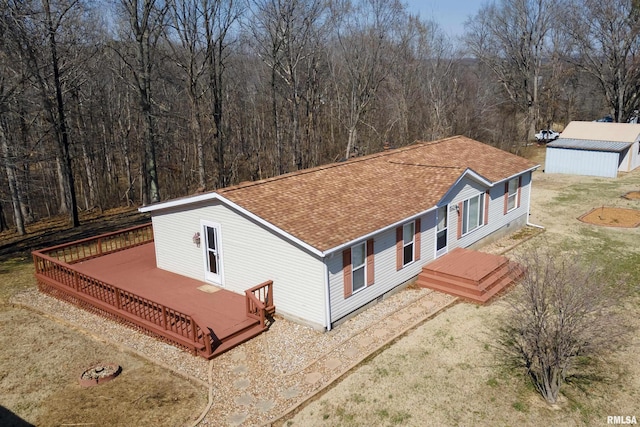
x=212 y=253
x=442 y=221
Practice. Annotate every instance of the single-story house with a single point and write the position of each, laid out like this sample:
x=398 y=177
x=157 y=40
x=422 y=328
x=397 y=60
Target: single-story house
x=337 y=237
x=595 y=149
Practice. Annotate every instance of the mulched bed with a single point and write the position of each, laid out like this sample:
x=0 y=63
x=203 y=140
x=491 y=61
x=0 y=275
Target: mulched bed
x=632 y=195
x=612 y=217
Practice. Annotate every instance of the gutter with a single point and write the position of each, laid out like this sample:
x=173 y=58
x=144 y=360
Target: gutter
x=529 y=204
x=327 y=294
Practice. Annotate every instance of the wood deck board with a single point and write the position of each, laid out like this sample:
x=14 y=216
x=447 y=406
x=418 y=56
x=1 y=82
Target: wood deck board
x=135 y=270
x=472 y=275
x=467 y=264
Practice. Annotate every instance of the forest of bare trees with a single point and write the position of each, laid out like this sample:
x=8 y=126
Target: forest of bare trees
x=107 y=103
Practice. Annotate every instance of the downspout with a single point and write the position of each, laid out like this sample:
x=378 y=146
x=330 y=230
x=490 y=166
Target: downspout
x=529 y=204
x=327 y=294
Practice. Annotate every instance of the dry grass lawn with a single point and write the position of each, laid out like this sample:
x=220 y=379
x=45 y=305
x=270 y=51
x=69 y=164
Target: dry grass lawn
x=446 y=372
x=41 y=361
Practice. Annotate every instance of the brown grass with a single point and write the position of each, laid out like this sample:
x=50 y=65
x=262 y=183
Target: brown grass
x=41 y=361
x=612 y=217
x=446 y=372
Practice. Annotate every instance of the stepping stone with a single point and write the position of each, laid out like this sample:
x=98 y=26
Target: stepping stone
x=313 y=377
x=265 y=405
x=241 y=384
x=238 y=356
x=237 y=419
x=332 y=363
x=245 y=400
x=290 y=393
x=393 y=324
x=364 y=342
x=381 y=333
x=351 y=352
x=240 y=369
x=404 y=316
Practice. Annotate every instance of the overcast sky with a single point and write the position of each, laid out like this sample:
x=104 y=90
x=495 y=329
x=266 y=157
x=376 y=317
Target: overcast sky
x=449 y=14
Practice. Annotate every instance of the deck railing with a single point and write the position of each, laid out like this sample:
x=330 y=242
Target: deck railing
x=53 y=270
x=104 y=244
x=260 y=301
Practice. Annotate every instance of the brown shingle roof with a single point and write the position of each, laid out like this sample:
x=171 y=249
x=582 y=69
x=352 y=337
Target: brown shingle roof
x=334 y=204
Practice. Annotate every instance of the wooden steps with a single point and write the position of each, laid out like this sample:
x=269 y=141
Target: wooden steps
x=472 y=275
x=250 y=329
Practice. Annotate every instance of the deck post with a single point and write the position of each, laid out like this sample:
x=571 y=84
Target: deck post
x=117 y=297
x=99 y=246
x=247 y=301
x=75 y=281
x=164 y=317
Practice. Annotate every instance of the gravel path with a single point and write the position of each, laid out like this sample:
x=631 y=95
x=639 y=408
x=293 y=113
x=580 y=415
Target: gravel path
x=262 y=379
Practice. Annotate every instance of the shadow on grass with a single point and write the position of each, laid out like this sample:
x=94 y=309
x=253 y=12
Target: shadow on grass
x=9 y=419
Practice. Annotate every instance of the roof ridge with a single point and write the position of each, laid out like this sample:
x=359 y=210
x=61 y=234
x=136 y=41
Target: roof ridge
x=417 y=144
x=424 y=165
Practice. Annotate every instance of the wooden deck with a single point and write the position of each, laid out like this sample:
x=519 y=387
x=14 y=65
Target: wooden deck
x=123 y=282
x=472 y=275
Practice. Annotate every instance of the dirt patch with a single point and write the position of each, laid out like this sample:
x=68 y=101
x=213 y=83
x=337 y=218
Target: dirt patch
x=632 y=195
x=612 y=217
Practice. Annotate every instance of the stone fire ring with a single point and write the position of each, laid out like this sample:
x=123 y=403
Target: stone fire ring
x=99 y=374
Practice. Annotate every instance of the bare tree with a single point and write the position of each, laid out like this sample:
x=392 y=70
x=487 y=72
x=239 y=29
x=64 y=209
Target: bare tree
x=511 y=38
x=560 y=312
x=146 y=21
x=202 y=28
x=366 y=34
x=606 y=44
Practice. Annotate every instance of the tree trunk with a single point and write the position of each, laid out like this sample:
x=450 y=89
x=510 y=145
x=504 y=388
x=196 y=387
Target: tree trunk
x=66 y=171
x=10 y=169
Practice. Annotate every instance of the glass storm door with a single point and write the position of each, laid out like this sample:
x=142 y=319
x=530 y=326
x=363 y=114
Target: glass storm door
x=212 y=254
x=441 y=230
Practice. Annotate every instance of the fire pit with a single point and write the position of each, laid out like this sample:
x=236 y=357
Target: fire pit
x=99 y=374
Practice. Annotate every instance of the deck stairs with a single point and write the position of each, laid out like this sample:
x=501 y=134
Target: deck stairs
x=239 y=333
x=472 y=275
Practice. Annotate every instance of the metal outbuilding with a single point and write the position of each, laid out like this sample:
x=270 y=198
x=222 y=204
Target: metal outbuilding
x=595 y=149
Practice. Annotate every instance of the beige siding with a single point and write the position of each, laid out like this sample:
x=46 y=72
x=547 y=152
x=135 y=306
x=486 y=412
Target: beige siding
x=251 y=254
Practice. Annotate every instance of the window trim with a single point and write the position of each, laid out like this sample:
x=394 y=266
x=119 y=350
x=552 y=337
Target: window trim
x=412 y=242
x=512 y=197
x=348 y=270
x=363 y=266
x=465 y=214
x=209 y=277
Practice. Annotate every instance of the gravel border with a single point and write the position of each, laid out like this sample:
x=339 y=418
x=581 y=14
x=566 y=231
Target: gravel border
x=269 y=377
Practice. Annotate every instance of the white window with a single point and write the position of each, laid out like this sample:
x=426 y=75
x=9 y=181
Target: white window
x=358 y=267
x=512 y=197
x=408 y=235
x=472 y=213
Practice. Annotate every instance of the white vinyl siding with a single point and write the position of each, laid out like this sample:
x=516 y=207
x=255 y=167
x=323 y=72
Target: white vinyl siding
x=386 y=275
x=298 y=276
x=497 y=219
